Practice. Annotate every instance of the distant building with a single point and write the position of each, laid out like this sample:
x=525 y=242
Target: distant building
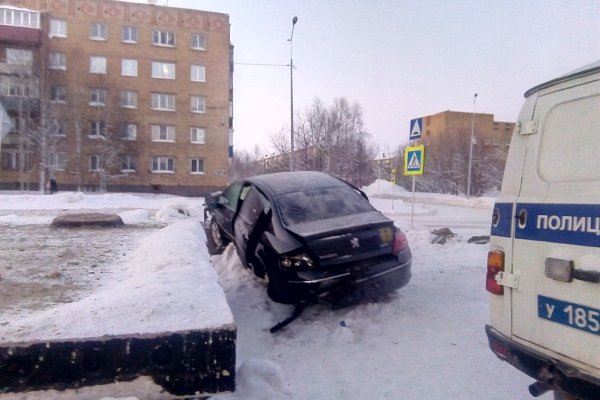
x=455 y=125
x=446 y=138
x=115 y=95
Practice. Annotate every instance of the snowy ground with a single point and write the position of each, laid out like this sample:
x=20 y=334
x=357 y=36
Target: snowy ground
x=425 y=341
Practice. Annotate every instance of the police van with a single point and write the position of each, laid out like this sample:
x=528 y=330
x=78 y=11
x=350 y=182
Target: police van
x=543 y=267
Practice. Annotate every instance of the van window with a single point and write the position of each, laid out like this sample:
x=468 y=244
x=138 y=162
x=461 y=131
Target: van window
x=570 y=147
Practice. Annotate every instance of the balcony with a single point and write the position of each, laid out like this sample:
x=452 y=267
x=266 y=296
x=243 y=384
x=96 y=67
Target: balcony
x=20 y=35
x=20 y=70
x=26 y=104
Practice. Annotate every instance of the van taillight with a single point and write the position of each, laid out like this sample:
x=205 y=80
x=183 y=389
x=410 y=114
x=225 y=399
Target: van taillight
x=400 y=241
x=495 y=264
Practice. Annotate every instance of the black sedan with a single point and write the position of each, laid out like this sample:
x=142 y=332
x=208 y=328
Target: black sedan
x=312 y=236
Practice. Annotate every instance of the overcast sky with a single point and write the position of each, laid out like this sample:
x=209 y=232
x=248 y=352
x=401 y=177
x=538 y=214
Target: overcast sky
x=398 y=59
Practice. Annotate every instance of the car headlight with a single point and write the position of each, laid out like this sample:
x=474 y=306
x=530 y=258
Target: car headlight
x=299 y=261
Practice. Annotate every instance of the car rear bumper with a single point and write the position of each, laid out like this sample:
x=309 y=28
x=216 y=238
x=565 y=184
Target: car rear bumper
x=355 y=284
x=554 y=373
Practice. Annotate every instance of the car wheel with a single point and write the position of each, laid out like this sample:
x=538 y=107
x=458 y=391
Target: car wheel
x=278 y=289
x=215 y=233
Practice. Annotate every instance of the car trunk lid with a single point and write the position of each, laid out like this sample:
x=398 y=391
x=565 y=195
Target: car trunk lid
x=347 y=238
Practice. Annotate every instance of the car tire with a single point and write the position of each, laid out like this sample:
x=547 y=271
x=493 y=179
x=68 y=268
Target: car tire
x=215 y=233
x=278 y=289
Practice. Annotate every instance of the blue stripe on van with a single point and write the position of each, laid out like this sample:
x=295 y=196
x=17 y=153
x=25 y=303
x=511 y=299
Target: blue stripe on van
x=577 y=224
x=502 y=226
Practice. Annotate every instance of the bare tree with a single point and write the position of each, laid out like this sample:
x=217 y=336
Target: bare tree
x=331 y=139
x=93 y=120
x=245 y=164
x=21 y=86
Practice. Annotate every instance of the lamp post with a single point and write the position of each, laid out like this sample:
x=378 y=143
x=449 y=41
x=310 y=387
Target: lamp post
x=294 y=20
x=471 y=148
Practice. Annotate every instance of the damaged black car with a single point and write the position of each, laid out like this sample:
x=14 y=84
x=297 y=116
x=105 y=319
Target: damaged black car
x=312 y=236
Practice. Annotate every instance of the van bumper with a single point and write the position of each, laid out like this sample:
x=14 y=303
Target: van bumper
x=554 y=373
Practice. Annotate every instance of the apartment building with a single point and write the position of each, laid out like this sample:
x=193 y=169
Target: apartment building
x=448 y=126
x=115 y=95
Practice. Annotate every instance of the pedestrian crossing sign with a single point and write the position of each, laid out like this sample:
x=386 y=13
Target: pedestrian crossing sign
x=413 y=160
x=416 y=127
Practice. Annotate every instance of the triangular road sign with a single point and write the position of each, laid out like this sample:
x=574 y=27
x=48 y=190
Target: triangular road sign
x=414 y=162
x=416 y=126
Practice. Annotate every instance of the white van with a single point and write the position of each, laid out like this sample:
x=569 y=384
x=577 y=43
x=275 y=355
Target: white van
x=544 y=261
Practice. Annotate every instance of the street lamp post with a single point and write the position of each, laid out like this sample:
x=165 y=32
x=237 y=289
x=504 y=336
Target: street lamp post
x=294 y=20
x=471 y=148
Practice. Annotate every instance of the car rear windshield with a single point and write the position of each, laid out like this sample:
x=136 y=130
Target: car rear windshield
x=321 y=203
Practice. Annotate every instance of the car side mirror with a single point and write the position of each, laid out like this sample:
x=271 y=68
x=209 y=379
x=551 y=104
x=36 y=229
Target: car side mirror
x=223 y=201
x=213 y=200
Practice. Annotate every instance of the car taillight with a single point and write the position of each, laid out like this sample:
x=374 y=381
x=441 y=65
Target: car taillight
x=495 y=264
x=400 y=241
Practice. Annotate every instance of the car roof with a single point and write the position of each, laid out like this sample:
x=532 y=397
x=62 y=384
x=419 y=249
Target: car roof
x=589 y=69
x=288 y=182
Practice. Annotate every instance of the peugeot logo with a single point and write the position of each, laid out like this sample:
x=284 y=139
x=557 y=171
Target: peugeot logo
x=355 y=243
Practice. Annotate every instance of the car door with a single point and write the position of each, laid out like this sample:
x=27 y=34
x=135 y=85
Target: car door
x=227 y=207
x=253 y=212
x=556 y=253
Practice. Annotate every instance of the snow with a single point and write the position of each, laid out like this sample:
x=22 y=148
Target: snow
x=167 y=284
x=424 y=341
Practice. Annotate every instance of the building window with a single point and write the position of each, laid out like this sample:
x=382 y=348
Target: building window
x=197 y=166
x=128 y=163
x=163 y=38
x=17 y=89
x=19 y=56
x=129 y=131
x=57 y=161
x=95 y=162
x=163 y=133
x=97 y=97
x=198 y=104
x=163 y=70
x=197 y=135
x=57 y=60
x=198 y=73
x=163 y=164
x=98 y=31
x=198 y=41
x=163 y=101
x=22 y=18
x=129 y=99
x=58 y=27
x=97 y=65
x=58 y=93
x=12 y=159
x=19 y=124
x=97 y=130
x=129 y=67
x=129 y=34
x=56 y=127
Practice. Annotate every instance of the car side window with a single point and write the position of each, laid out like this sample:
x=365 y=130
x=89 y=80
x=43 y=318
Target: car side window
x=255 y=205
x=232 y=194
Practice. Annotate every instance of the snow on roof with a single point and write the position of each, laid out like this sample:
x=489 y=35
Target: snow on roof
x=17 y=8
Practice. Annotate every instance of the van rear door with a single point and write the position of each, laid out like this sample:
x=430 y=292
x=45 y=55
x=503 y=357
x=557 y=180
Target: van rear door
x=556 y=248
